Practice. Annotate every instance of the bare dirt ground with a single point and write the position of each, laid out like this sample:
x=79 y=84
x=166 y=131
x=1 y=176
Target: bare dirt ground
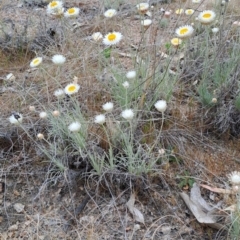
x=40 y=204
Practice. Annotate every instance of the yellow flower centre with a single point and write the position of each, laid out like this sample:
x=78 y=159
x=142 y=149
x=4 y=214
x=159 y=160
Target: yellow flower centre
x=183 y=31
x=71 y=10
x=71 y=88
x=207 y=15
x=53 y=4
x=112 y=37
x=36 y=61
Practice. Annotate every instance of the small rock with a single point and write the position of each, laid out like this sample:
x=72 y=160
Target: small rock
x=19 y=207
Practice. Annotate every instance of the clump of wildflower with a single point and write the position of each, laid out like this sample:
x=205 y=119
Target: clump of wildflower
x=189 y=12
x=179 y=11
x=126 y=84
x=234 y=178
x=97 y=36
x=142 y=7
x=43 y=115
x=176 y=42
x=146 y=23
x=206 y=17
x=112 y=38
x=131 y=74
x=161 y=106
x=184 y=31
x=128 y=114
x=59 y=93
x=40 y=136
x=74 y=127
x=16 y=118
x=110 y=13
x=72 y=12
x=36 y=62
x=10 y=77
x=100 y=119
x=108 y=107
x=58 y=59
x=71 y=88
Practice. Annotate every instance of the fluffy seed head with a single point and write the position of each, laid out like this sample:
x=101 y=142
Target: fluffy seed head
x=10 y=77
x=100 y=119
x=43 y=115
x=58 y=59
x=74 y=127
x=131 y=74
x=234 y=178
x=161 y=105
x=128 y=114
x=108 y=107
x=126 y=84
x=59 y=93
x=31 y=108
x=56 y=113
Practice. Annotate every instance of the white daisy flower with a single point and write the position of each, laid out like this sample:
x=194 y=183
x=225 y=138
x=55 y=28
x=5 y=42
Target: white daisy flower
x=58 y=59
x=59 y=93
x=10 y=77
x=234 y=178
x=100 y=119
x=184 y=31
x=16 y=118
x=128 y=114
x=142 y=7
x=126 y=84
x=54 y=7
x=131 y=74
x=112 y=38
x=176 y=42
x=146 y=23
x=43 y=115
x=74 y=127
x=71 y=88
x=97 y=36
x=161 y=105
x=72 y=12
x=108 y=107
x=110 y=13
x=36 y=62
x=206 y=17
x=189 y=12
